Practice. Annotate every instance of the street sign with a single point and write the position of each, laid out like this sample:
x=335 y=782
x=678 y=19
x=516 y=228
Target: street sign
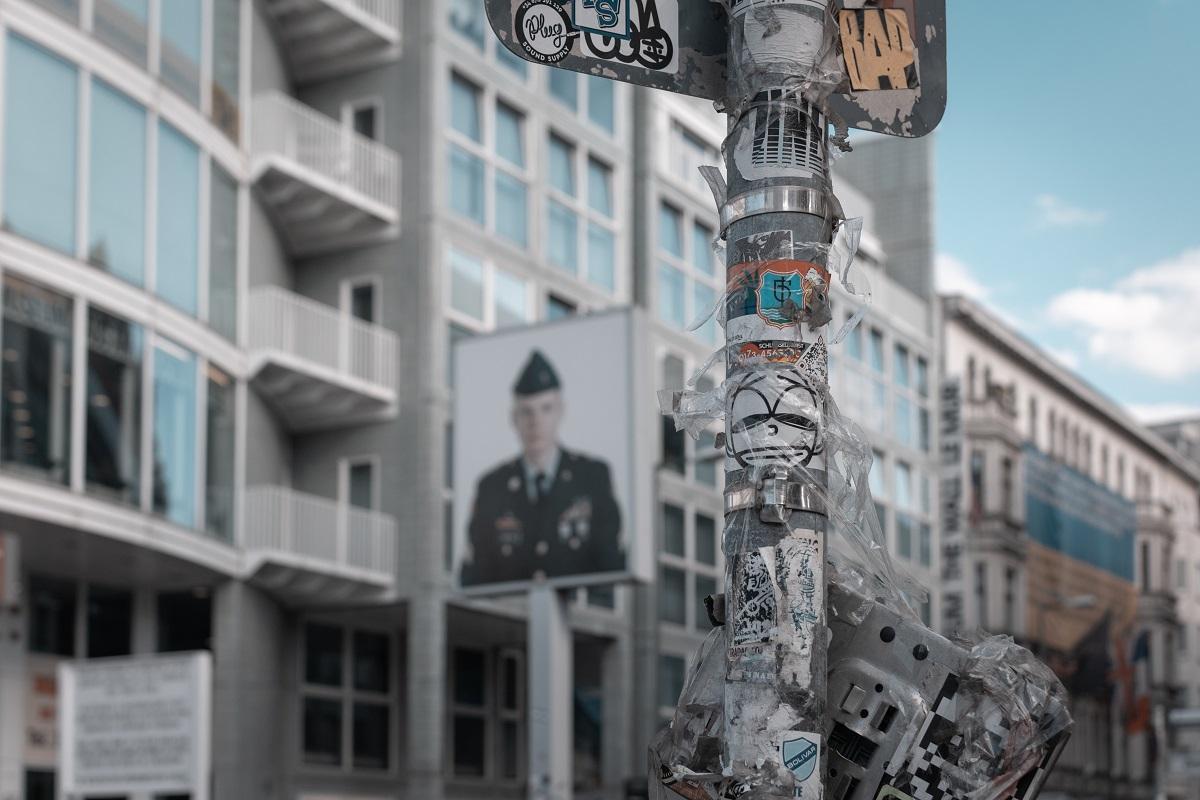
x=894 y=51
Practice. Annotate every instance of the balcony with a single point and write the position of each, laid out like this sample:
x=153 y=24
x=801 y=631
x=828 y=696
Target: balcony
x=318 y=367
x=326 y=186
x=1154 y=517
x=322 y=38
x=301 y=547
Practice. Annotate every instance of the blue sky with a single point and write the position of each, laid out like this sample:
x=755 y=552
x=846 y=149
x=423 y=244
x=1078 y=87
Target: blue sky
x=1068 y=183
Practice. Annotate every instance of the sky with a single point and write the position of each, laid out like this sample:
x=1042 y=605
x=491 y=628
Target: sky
x=1068 y=185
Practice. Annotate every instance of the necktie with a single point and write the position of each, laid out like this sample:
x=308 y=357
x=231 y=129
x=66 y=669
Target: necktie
x=539 y=483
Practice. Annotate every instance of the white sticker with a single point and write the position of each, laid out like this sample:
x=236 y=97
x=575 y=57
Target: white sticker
x=800 y=752
x=651 y=40
x=742 y=6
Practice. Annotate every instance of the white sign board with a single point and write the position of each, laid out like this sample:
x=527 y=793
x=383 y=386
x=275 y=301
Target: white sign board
x=137 y=724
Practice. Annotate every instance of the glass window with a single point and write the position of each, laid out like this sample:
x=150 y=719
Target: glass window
x=602 y=257
x=117 y=201
x=372 y=672
x=226 y=65
x=470 y=745
x=364 y=120
x=923 y=429
x=121 y=24
x=671 y=304
x=926 y=545
x=512 y=209
x=511 y=61
x=466 y=284
x=467 y=17
x=706 y=585
x=219 y=455
x=370 y=736
x=323 y=649
x=923 y=377
x=674 y=453
x=703 y=258
x=35 y=409
x=362 y=301
x=600 y=102
x=904 y=536
x=470 y=677
x=222 y=255
x=670 y=230
x=361 y=479
x=464 y=108
x=52 y=616
x=510 y=138
x=184 y=621
x=600 y=196
x=900 y=365
x=904 y=420
x=39 y=783
x=704 y=298
x=69 y=10
x=512 y=299
x=466 y=184
x=175 y=433
x=904 y=486
x=180 y=56
x=564 y=87
x=672 y=595
x=558 y=308
x=562 y=232
x=670 y=679
x=39 y=146
x=114 y=414
x=875 y=477
x=876 y=350
x=109 y=622
x=854 y=343
x=562 y=165
x=322 y=730
x=706 y=539
x=602 y=596
x=673 y=538
x=177 y=268
x=707 y=458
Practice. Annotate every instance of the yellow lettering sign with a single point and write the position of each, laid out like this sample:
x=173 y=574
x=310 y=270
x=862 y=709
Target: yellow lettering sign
x=878 y=49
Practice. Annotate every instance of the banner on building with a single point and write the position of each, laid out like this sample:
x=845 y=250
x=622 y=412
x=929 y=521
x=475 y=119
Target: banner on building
x=138 y=724
x=950 y=494
x=544 y=438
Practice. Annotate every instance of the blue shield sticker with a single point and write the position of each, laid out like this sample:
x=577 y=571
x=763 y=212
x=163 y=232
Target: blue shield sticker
x=604 y=17
x=801 y=755
x=780 y=297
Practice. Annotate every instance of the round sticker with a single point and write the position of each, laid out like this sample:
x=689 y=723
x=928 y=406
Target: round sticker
x=544 y=31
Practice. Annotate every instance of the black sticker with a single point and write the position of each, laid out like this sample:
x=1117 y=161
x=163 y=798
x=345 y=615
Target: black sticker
x=544 y=31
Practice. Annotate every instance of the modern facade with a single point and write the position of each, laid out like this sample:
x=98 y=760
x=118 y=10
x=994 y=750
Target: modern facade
x=240 y=238
x=1074 y=529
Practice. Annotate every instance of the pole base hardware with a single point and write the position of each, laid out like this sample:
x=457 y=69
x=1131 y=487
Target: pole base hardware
x=772 y=200
x=775 y=497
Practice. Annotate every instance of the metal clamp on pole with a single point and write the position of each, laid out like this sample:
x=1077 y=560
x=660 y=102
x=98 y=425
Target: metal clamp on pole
x=775 y=498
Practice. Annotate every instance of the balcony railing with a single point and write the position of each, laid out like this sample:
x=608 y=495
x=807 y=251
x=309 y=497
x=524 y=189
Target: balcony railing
x=323 y=38
x=318 y=534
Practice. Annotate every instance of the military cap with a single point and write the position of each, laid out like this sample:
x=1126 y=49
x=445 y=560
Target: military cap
x=536 y=376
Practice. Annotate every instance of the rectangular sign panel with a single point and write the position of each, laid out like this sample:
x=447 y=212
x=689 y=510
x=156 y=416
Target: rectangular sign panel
x=137 y=724
x=544 y=462
x=893 y=51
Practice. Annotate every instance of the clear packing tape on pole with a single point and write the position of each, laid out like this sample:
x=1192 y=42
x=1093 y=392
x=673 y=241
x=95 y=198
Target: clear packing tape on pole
x=910 y=714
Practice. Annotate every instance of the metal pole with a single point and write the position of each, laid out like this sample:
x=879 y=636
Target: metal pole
x=778 y=222
x=550 y=678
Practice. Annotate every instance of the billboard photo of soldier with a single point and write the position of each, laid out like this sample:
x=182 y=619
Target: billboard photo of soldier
x=542 y=457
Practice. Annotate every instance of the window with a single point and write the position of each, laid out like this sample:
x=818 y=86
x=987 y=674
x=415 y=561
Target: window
x=670 y=230
x=981 y=593
x=558 y=308
x=511 y=194
x=689 y=152
x=900 y=365
x=177 y=265
x=670 y=680
x=925 y=554
x=466 y=284
x=1010 y=600
x=671 y=298
x=876 y=350
x=180 y=52
x=220 y=455
x=904 y=535
x=466 y=169
x=364 y=119
x=1007 y=479
x=602 y=256
x=226 y=65
x=52 y=616
x=347 y=683
x=223 y=254
x=486 y=294
x=470 y=700
x=876 y=476
x=564 y=87
x=184 y=621
x=703 y=258
x=601 y=107
x=512 y=299
x=114 y=413
x=904 y=486
x=35 y=408
x=175 y=433
x=706 y=586
x=673 y=533
x=117 y=200
x=922 y=377
x=363 y=301
x=40 y=122
x=672 y=595
x=512 y=61
x=109 y=622
x=706 y=540
x=674 y=450
x=562 y=246
x=360 y=485
x=903 y=421
x=122 y=25
x=467 y=17
x=978 y=501
x=1145 y=566
x=1033 y=421
x=854 y=343
x=707 y=458
x=69 y=10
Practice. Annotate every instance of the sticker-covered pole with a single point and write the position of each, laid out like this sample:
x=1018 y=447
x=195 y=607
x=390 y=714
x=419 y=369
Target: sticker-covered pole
x=778 y=224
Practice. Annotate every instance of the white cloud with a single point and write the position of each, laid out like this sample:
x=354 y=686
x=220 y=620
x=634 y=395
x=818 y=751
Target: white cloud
x=1068 y=358
x=1151 y=413
x=1054 y=212
x=954 y=277
x=1146 y=322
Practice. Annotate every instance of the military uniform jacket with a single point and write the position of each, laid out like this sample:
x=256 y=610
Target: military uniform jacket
x=574 y=529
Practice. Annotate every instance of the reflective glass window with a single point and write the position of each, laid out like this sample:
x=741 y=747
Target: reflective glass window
x=122 y=25
x=601 y=105
x=177 y=267
x=362 y=485
x=564 y=87
x=226 y=66
x=703 y=258
x=117 y=200
x=562 y=165
x=467 y=17
x=672 y=595
x=602 y=257
x=562 y=232
x=371 y=662
x=670 y=679
x=512 y=208
x=466 y=284
x=322 y=731
x=114 y=414
x=109 y=622
x=466 y=184
x=180 y=51
x=222 y=254
x=600 y=194
x=706 y=539
x=67 y=9
x=323 y=649
x=704 y=298
x=876 y=350
x=670 y=230
x=184 y=621
x=175 y=434
x=370 y=736
x=706 y=586
x=671 y=302
x=219 y=454
x=900 y=366
x=511 y=299
x=707 y=458
x=464 y=108
x=35 y=409
x=673 y=537
x=510 y=139
x=40 y=119
x=51 y=616
x=512 y=61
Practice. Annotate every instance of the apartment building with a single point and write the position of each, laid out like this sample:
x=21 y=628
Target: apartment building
x=250 y=232
x=1074 y=529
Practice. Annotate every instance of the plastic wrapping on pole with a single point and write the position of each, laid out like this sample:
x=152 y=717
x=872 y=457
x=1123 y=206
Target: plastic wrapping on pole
x=782 y=701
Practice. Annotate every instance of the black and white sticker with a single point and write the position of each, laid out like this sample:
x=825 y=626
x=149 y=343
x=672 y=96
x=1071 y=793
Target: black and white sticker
x=651 y=34
x=544 y=31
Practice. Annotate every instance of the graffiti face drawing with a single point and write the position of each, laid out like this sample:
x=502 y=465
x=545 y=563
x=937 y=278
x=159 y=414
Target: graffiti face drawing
x=775 y=417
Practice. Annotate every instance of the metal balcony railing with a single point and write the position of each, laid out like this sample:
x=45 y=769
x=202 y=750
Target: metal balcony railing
x=300 y=526
x=287 y=130
x=284 y=322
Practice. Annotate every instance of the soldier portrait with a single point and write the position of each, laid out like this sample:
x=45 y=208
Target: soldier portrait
x=549 y=510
